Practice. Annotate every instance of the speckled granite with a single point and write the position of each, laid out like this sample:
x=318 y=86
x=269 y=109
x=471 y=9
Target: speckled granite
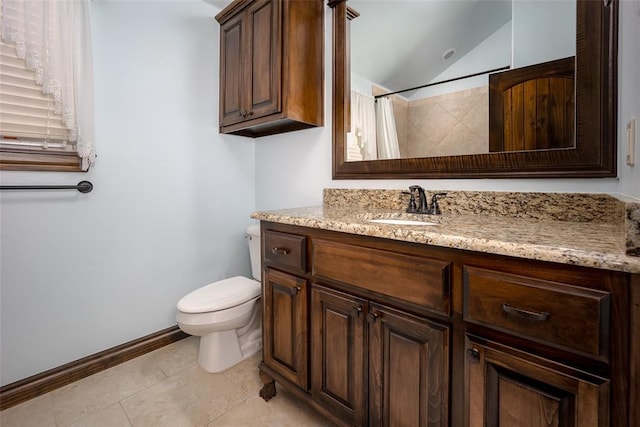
x=632 y=229
x=591 y=230
x=568 y=207
x=586 y=244
x=552 y=206
x=342 y=198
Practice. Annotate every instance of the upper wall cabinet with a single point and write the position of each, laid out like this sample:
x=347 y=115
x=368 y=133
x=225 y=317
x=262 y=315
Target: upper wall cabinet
x=271 y=66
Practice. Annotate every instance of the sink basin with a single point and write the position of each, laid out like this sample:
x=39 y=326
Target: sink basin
x=401 y=222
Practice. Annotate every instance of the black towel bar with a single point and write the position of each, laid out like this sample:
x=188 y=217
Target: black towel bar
x=83 y=187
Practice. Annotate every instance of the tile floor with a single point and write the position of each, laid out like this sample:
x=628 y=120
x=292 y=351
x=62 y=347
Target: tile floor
x=164 y=388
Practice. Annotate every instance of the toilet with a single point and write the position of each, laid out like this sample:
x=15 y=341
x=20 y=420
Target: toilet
x=226 y=315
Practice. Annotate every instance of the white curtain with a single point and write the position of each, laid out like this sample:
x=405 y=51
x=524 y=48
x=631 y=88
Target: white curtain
x=387 y=135
x=54 y=38
x=363 y=128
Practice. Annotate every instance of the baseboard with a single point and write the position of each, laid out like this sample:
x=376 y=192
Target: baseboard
x=44 y=382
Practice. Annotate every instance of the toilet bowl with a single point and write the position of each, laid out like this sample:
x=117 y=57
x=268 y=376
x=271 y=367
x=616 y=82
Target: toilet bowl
x=226 y=315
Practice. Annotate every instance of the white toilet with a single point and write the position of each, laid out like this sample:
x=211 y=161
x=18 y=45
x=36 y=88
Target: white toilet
x=226 y=315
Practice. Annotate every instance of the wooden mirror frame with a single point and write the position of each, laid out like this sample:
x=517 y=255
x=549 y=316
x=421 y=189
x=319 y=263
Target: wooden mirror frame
x=594 y=154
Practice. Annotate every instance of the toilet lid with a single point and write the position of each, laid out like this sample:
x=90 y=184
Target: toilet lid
x=220 y=295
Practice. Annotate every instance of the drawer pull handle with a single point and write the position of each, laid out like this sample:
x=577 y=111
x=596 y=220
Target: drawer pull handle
x=280 y=251
x=531 y=315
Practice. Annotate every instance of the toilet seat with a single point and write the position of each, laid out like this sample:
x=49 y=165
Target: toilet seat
x=220 y=295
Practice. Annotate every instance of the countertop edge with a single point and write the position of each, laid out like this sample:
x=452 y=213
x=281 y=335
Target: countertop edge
x=539 y=252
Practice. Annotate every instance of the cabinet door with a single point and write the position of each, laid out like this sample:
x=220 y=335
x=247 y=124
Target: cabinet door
x=504 y=389
x=338 y=363
x=231 y=70
x=408 y=369
x=285 y=326
x=264 y=38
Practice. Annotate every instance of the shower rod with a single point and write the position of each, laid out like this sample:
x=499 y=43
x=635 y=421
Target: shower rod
x=506 y=67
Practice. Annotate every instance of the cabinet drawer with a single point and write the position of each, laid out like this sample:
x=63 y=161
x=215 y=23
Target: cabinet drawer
x=555 y=313
x=286 y=249
x=418 y=280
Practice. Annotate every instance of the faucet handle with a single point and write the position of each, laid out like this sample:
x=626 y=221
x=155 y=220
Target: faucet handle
x=412 y=201
x=435 y=208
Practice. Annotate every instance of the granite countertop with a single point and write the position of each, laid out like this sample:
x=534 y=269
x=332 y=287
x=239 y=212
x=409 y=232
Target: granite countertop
x=589 y=244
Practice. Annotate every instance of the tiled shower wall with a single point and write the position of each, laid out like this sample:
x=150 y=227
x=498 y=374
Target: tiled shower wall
x=451 y=124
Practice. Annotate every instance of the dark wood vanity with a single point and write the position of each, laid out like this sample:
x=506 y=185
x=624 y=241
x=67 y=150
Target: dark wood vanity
x=373 y=331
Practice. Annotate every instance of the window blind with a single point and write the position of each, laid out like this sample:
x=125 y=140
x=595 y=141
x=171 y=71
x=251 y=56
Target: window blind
x=27 y=116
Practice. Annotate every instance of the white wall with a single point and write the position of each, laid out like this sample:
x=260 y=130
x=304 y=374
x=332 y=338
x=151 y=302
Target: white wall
x=172 y=198
x=629 y=93
x=292 y=169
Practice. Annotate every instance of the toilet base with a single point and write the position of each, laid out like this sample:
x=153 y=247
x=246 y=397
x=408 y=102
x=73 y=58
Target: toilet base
x=222 y=349
x=219 y=351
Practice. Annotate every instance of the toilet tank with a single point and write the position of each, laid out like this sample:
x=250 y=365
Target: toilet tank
x=253 y=236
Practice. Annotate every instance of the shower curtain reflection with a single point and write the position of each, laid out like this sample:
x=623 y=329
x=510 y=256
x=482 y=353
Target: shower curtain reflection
x=387 y=136
x=361 y=141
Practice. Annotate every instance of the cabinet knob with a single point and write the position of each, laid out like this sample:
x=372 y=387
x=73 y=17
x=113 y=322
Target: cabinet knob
x=294 y=291
x=357 y=310
x=474 y=354
x=372 y=316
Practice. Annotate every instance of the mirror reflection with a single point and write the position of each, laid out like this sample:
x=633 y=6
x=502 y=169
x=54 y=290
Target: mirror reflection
x=399 y=46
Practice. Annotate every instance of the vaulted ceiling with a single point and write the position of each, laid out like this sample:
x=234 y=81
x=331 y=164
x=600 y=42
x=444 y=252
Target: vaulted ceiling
x=400 y=44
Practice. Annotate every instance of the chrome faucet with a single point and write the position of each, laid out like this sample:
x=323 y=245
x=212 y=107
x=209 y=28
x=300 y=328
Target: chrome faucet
x=423 y=206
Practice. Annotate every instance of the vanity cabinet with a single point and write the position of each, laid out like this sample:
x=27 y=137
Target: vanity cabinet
x=338 y=358
x=511 y=388
x=285 y=308
x=271 y=66
x=363 y=349
x=373 y=331
x=285 y=320
x=408 y=369
x=507 y=386
x=574 y=318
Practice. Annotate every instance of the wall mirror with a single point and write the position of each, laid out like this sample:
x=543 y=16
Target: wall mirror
x=583 y=39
